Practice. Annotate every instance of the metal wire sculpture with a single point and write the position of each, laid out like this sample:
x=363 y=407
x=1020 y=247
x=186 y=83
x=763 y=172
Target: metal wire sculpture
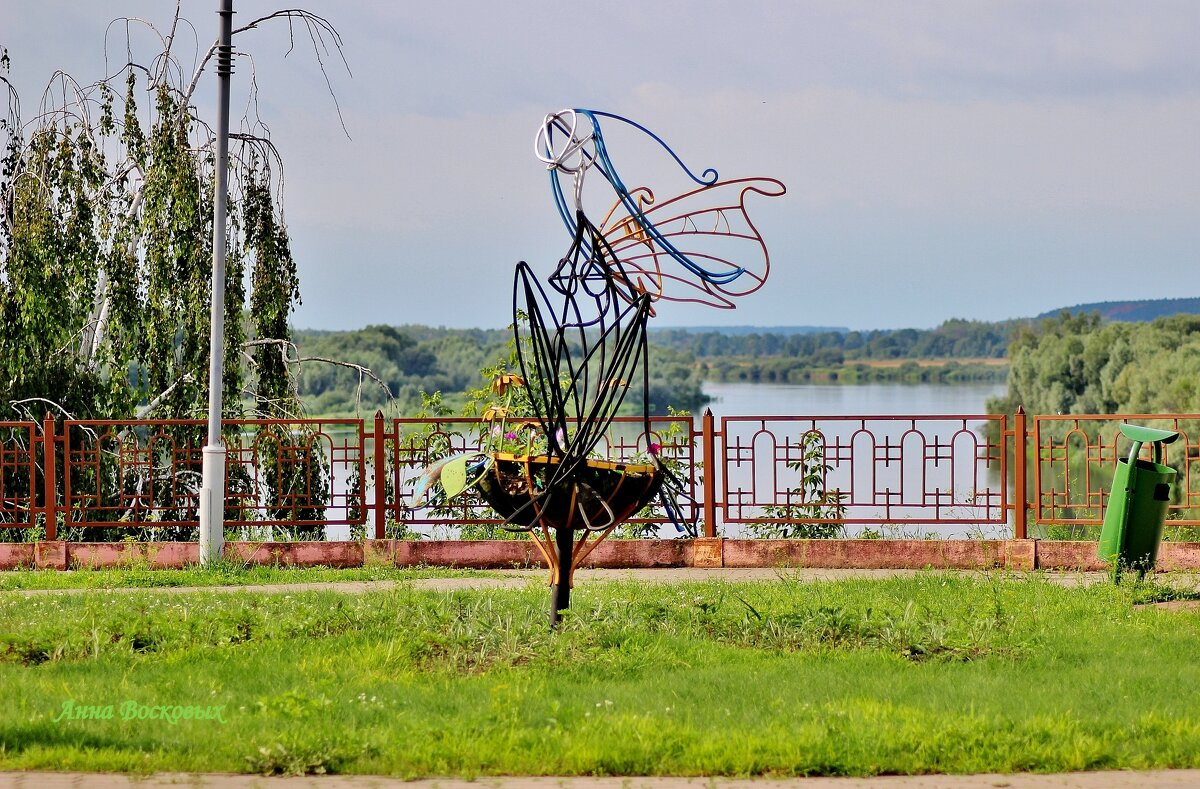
x=582 y=337
x=706 y=231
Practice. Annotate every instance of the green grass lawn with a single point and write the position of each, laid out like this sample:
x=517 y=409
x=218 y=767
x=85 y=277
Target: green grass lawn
x=932 y=673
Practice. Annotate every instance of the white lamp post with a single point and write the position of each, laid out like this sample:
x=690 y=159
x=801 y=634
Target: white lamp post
x=212 y=486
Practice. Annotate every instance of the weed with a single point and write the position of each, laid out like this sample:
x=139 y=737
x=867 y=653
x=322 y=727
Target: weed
x=297 y=757
x=811 y=510
x=1143 y=592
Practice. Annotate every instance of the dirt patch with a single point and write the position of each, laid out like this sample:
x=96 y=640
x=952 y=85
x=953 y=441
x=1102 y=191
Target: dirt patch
x=1173 y=605
x=516 y=579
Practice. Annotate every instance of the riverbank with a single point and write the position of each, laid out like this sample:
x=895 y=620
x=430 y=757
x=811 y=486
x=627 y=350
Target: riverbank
x=866 y=371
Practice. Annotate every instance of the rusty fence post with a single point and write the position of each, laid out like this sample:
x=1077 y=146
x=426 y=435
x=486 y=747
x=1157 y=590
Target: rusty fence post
x=49 y=477
x=379 y=487
x=708 y=436
x=1020 y=492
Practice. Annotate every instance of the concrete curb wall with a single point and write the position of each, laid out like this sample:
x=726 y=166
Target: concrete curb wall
x=611 y=554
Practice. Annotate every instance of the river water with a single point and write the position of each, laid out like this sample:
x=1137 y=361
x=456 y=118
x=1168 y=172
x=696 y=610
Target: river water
x=751 y=399
x=892 y=471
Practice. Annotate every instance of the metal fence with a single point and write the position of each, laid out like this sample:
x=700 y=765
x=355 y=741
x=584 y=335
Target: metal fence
x=415 y=443
x=21 y=477
x=295 y=473
x=864 y=469
x=310 y=474
x=1076 y=458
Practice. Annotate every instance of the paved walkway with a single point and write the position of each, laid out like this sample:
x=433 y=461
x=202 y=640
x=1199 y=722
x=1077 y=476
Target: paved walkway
x=502 y=579
x=1157 y=779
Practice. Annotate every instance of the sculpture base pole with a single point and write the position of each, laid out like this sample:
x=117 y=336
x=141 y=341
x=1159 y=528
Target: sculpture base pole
x=560 y=590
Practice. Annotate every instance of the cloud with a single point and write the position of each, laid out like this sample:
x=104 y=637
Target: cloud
x=942 y=158
x=839 y=147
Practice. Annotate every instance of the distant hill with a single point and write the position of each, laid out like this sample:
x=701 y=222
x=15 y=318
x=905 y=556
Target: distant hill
x=742 y=331
x=1133 y=311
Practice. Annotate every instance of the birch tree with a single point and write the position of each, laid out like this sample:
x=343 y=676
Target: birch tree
x=106 y=210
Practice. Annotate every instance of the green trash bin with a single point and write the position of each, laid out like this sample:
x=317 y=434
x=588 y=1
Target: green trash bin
x=1137 y=506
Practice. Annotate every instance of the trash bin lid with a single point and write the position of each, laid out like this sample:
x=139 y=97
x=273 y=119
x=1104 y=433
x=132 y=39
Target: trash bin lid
x=1147 y=435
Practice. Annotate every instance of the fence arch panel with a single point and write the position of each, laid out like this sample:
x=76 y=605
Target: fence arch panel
x=886 y=469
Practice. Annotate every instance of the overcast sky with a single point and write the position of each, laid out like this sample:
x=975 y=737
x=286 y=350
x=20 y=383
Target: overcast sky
x=943 y=159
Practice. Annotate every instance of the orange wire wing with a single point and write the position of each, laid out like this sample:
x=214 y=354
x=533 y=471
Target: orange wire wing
x=710 y=226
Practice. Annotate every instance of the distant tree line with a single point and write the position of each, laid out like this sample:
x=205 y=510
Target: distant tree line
x=954 y=339
x=1137 y=310
x=848 y=356
x=390 y=368
x=1065 y=364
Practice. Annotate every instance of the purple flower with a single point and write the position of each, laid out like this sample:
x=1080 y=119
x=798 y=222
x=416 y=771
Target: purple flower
x=655 y=447
x=510 y=435
x=559 y=437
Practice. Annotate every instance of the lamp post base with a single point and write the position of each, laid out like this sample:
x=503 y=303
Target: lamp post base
x=212 y=504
